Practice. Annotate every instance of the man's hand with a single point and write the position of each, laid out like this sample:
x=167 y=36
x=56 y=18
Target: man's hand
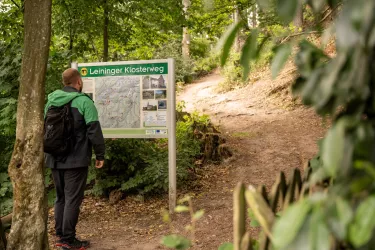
x=99 y=164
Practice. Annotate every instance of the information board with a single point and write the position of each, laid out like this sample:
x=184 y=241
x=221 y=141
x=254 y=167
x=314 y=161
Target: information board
x=136 y=100
x=133 y=99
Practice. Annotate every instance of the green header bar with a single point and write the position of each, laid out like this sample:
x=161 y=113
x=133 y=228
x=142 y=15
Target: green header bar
x=124 y=70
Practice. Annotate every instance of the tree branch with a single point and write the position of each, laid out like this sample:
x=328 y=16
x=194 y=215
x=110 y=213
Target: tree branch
x=330 y=12
x=19 y=7
x=299 y=34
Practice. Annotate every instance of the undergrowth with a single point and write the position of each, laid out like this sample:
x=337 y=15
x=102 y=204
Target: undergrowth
x=136 y=166
x=141 y=165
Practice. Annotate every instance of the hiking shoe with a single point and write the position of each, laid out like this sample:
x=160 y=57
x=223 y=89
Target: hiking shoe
x=74 y=244
x=58 y=241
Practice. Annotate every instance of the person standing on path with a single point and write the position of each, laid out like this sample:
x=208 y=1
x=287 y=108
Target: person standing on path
x=70 y=174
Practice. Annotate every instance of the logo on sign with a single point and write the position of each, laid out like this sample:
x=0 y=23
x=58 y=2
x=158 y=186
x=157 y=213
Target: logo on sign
x=84 y=71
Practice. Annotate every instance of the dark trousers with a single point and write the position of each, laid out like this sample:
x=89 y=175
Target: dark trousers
x=70 y=186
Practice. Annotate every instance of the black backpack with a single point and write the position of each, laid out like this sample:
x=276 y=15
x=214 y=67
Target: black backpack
x=59 y=136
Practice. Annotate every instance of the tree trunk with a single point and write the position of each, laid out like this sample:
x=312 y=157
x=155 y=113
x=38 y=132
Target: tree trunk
x=26 y=170
x=298 y=19
x=185 y=34
x=237 y=45
x=105 y=32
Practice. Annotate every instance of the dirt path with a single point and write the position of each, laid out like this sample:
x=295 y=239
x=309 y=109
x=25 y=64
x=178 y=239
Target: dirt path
x=267 y=132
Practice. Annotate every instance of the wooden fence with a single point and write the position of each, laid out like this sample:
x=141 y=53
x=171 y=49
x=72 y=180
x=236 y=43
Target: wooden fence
x=265 y=205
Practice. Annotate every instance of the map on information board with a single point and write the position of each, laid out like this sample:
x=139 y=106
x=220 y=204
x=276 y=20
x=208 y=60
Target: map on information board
x=132 y=98
x=117 y=99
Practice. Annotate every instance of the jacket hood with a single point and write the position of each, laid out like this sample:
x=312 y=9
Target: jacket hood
x=59 y=98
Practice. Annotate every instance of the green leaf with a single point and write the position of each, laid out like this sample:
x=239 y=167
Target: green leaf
x=254 y=223
x=288 y=225
x=180 y=209
x=281 y=57
x=227 y=40
x=319 y=233
x=317 y=5
x=3 y=177
x=51 y=196
x=198 y=214
x=361 y=230
x=176 y=242
x=340 y=217
x=264 y=4
x=166 y=217
x=368 y=167
x=226 y=246
x=287 y=9
x=249 y=52
x=334 y=148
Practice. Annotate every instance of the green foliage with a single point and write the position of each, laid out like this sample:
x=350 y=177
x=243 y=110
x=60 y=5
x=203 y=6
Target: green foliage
x=282 y=54
x=176 y=242
x=5 y=194
x=249 y=52
x=210 y=19
x=9 y=73
x=228 y=40
x=172 y=49
x=233 y=73
x=226 y=246
x=203 y=59
x=206 y=65
x=134 y=34
x=291 y=221
x=141 y=165
x=362 y=228
x=199 y=48
x=343 y=88
x=287 y=9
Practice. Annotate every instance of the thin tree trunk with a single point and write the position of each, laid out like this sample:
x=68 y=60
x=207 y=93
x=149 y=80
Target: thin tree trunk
x=185 y=34
x=237 y=45
x=71 y=38
x=298 y=19
x=105 y=32
x=26 y=170
x=255 y=16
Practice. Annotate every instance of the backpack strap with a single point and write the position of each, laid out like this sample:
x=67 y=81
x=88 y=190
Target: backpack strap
x=70 y=103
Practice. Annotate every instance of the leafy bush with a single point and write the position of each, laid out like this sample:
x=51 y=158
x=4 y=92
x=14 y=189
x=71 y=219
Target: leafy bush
x=172 y=49
x=204 y=66
x=9 y=73
x=199 y=48
x=233 y=73
x=6 y=146
x=141 y=165
x=203 y=59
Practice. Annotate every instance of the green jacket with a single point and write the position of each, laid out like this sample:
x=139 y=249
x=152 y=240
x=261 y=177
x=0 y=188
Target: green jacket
x=87 y=129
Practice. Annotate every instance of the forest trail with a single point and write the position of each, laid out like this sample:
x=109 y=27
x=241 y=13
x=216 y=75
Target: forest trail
x=267 y=132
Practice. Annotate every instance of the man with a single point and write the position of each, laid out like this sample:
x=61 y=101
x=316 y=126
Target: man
x=70 y=174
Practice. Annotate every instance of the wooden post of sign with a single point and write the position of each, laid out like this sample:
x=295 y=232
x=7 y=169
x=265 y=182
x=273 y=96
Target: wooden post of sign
x=172 y=147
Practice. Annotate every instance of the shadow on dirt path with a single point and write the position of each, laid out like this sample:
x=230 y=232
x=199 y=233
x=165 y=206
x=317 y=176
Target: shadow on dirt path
x=267 y=132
